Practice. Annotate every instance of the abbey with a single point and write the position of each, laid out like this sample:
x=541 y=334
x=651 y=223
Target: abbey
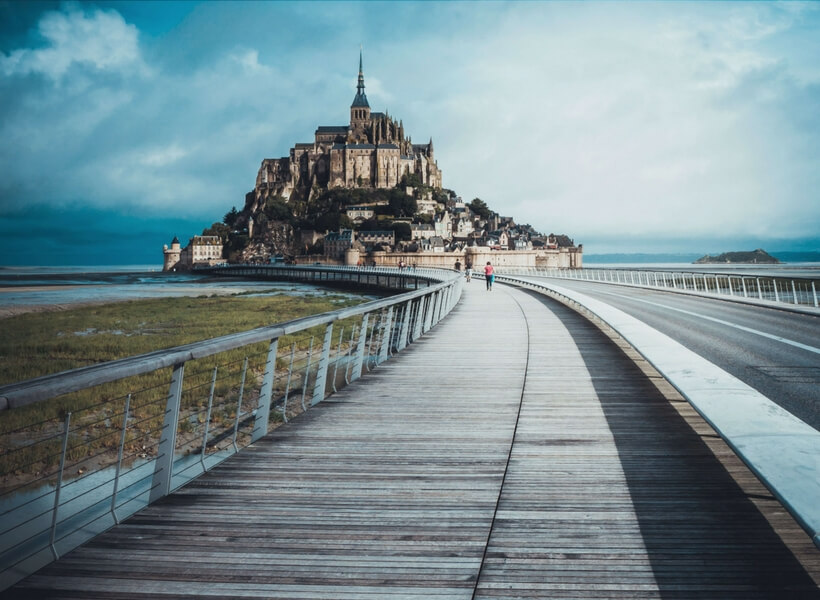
x=371 y=152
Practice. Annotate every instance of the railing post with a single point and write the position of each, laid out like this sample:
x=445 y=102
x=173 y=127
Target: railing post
x=442 y=304
x=419 y=316
x=442 y=301
x=321 y=369
x=731 y=289
x=287 y=385
x=53 y=535
x=401 y=343
x=239 y=404
x=428 y=313
x=759 y=290
x=359 y=360
x=119 y=460
x=394 y=330
x=776 y=295
x=336 y=362
x=208 y=421
x=387 y=328
x=814 y=293
x=260 y=424
x=374 y=329
x=306 y=374
x=164 y=463
x=794 y=292
x=348 y=354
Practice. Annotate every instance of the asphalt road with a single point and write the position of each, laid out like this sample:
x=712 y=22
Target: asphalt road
x=774 y=351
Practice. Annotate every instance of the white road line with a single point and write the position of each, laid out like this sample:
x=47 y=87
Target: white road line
x=777 y=338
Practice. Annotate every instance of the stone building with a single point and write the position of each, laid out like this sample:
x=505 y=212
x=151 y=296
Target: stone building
x=201 y=250
x=372 y=151
x=171 y=255
x=337 y=242
x=373 y=238
x=357 y=214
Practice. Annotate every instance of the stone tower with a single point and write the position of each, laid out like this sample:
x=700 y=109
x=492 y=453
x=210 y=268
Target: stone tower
x=172 y=255
x=360 y=109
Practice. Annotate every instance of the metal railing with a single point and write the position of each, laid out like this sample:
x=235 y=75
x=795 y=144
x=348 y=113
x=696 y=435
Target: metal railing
x=83 y=449
x=780 y=290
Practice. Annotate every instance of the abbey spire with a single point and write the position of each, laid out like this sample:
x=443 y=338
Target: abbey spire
x=360 y=109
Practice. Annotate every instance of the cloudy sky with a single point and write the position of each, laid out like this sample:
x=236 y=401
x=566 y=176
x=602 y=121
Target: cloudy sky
x=631 y=127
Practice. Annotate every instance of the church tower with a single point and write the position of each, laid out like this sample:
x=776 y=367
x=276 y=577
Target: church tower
x=360 y=109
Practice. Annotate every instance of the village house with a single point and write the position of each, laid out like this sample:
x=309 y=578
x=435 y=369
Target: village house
x=462 y=226
x=433 y=244
x=359 y=214
x=422 y=231
x=337 y=242
x=373 y=238
x=443 y=224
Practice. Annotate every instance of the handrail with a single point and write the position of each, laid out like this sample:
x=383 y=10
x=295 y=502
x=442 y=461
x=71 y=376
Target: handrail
x=779 y=448
x=45 y=387
x=799 y=294
x=126 y=452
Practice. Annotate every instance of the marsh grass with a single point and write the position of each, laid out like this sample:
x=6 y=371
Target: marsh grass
x=42 y=343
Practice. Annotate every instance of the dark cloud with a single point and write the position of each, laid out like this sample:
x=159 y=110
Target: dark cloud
x=87 y=236
x=661 y=122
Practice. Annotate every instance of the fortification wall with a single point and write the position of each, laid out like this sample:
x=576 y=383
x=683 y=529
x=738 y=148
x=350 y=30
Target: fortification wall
x=560 y=258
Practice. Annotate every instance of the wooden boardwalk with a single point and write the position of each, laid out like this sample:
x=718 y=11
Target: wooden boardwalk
x=513 y=452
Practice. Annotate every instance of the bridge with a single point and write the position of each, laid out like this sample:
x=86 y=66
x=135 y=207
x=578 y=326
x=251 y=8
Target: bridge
x=517 y=449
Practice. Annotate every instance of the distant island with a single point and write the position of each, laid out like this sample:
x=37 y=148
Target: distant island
x=757 y=257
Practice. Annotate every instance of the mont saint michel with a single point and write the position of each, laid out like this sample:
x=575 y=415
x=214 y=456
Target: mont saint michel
x=372 y=151
x=364 y=193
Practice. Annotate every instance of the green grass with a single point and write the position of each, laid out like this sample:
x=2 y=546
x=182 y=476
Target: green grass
x=37 y=344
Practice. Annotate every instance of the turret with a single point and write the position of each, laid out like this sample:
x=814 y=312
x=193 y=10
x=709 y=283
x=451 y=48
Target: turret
x=360 y=109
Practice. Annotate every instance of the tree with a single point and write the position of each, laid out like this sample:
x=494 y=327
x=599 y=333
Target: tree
x=370 y=225
x=219 y=229
x=231 y=217
x=332 y=221
x=410 y=179
x=233 y=249
x=402 y=205
x=277 y=209
x=403 y=231
x=479 y=207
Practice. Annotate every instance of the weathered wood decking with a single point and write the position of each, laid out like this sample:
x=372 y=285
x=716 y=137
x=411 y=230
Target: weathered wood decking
x=392 y=488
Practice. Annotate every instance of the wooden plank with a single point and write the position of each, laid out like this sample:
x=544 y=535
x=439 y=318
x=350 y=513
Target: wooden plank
x=612 y=493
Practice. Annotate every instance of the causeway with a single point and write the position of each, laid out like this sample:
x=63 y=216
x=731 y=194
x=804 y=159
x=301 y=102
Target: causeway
x=515 y=451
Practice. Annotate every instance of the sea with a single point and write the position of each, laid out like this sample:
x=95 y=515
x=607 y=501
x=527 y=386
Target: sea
x=23 y=289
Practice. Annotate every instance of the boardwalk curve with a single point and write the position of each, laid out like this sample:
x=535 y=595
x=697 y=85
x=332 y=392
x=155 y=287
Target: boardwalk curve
x=392 y=488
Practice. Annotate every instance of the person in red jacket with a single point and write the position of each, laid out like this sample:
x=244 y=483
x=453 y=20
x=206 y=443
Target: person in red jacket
x=489 y=276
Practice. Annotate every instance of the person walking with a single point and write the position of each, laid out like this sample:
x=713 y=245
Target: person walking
x=489 y=276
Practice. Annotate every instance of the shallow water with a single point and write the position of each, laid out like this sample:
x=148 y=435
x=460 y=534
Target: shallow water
x=42 y=286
